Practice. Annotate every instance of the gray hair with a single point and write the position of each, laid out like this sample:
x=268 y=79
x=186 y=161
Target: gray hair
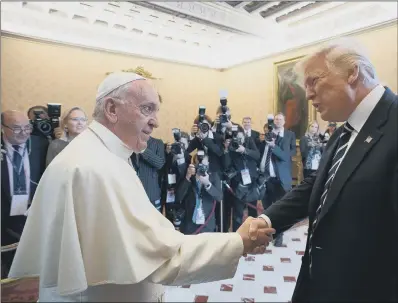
x=341 y=56
x=118 y=95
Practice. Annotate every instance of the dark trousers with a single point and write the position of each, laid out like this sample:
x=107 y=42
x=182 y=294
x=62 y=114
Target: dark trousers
x=273 y=193
x=308 y=172
x=227 y=210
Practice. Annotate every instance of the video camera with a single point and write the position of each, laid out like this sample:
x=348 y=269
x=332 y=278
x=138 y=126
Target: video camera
x=45 y=127
x=201 y=168
x=270 y=134
x=203 y=126
x=176 y=146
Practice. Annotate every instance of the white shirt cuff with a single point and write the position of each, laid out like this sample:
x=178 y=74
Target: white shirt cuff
x=268 y=220
x=207 y=187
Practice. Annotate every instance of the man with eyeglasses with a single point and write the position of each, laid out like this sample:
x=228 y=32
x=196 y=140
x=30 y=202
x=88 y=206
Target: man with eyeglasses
x=92 y=233
x=22 y=165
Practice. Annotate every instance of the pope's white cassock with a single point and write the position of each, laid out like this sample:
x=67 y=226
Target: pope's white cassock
x=93 y=235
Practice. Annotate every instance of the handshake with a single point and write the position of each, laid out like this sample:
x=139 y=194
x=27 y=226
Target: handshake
x=256 y=235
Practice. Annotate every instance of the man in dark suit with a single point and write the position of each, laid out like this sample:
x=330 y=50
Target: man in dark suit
x=249 y=132
x=351 y=201
x=147 y=166
x=22 y=165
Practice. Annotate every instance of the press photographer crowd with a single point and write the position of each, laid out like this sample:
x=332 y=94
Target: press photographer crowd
x=212 y=175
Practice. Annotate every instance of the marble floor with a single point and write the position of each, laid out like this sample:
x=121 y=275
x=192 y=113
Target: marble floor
x=262 y=278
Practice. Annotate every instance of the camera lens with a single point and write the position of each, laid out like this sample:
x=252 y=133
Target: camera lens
x=204 y=127
x=44 y=127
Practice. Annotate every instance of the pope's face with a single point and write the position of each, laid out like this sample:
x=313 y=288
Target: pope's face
x=137 y=117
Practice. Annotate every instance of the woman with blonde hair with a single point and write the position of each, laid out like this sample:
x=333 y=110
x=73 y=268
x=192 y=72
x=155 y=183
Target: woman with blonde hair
x=73 y=123
x=311 y=149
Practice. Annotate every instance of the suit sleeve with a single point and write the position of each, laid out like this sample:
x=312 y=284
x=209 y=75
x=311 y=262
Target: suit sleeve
x=285 y=155
x=215 y=189
x=293 y=207
x=182 y=189
x=252 y=150
x=304 y=148
x=51 y=153
x=213 y=145
x=155 y=158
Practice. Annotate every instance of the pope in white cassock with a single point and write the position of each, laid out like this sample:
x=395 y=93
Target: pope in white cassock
x=93 y=235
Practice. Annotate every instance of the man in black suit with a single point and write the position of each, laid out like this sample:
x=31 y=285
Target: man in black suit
x=147 y=166
x=249 y=132
x=351 y=201
x=22 y=165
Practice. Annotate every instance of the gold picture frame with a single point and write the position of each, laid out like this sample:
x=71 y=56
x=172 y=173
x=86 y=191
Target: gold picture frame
x=289 y=98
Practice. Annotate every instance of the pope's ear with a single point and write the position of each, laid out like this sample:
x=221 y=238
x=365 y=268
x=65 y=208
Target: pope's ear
x=110 y=110
x=353 y=74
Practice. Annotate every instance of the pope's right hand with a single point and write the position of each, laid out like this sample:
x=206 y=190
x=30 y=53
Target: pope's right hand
x=256 y=235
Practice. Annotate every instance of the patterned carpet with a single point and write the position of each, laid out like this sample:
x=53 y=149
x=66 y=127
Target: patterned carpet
x=264 y=278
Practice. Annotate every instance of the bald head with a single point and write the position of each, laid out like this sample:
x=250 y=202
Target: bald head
x=16 y=126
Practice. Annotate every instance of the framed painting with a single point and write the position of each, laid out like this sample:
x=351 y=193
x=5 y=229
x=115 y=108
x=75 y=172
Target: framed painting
x=289 y=98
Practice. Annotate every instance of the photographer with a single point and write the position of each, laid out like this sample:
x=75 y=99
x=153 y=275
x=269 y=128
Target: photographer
x=240 y=162
x=177 y=161
x=311 y=149
x=45 y=121
x=205 y=139
x=276 y=161
x=198 y=193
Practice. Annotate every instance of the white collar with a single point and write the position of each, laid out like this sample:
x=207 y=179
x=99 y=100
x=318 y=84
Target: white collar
x=111 y=141
x=10 y=147
x=248 y=132
x=365 y=108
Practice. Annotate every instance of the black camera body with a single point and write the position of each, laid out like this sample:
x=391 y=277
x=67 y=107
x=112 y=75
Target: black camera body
x=235 y=142
x=203 y=126
x=176 y=146
x=201 y=168
x=224 y=109
x=270 y=134
x=45 y=127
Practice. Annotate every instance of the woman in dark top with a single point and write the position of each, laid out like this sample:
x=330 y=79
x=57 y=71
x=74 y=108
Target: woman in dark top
x=311 y=149
x=73 y=123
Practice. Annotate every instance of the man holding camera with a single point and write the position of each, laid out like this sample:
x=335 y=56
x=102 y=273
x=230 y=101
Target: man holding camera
x=276 y=162
x=240 y=162
x=198 y=192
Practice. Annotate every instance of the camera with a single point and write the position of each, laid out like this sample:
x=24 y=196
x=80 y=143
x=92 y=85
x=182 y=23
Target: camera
x=201 y=168
x=224 y=109
x=176 y=146
x=45 y=127
x=235 y=142
x=203 y=126
x=270 y=134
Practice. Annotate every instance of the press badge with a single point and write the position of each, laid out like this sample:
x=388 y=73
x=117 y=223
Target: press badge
x=315 y=162
x=172 y=179
x=170 y=196
x=246 y=176
x=19 y=205
x=200 y=216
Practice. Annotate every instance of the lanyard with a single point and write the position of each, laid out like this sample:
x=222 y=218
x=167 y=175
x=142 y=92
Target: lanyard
x=19 y=169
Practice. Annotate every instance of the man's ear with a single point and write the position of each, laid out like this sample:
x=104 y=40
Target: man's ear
x=353 y=74
x=110 y=110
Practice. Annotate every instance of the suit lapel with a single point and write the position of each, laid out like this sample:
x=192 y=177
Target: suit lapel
x=5 y=181
x=366 y=139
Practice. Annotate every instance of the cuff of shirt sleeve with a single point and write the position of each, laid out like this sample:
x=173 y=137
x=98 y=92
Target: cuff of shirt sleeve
x=266 y=219
x=208 y=186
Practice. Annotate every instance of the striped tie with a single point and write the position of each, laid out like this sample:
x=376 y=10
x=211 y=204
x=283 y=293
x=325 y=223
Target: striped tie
x=337 y=159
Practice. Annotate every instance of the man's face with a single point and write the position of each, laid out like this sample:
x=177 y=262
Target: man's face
x=330 y=93
x=16 y=127
x=279 y=121
x=137 y=117
x=247 y=124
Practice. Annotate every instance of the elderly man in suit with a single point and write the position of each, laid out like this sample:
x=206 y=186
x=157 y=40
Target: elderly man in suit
x=147 y=165
x=351 y=201
x=22 y=165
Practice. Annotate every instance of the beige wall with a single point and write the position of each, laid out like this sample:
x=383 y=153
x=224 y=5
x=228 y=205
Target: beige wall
x=37 y=72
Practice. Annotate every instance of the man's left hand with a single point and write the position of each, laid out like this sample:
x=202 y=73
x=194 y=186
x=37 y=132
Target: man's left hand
x=205 y=180
x=241 y=149
x=271 y=143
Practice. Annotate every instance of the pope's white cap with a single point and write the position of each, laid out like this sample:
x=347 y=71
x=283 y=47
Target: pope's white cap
x=114 y=81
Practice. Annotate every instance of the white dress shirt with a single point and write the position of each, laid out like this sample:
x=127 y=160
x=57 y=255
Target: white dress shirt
x=357 y=120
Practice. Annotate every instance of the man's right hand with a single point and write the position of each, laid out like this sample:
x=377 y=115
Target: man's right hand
x=190 y=172
x=194 y=129
x=256 y=235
